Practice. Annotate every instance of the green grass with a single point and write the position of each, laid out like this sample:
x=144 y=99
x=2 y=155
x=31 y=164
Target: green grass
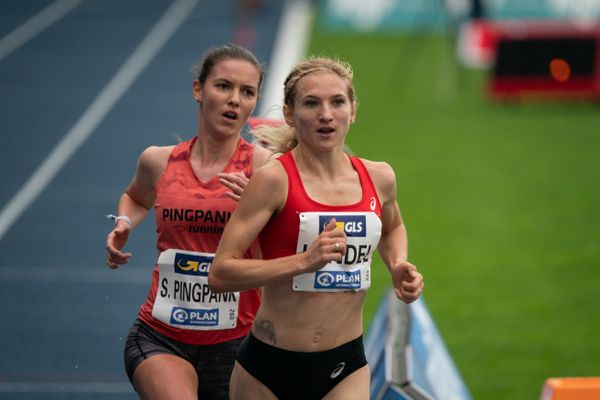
x=502 y=206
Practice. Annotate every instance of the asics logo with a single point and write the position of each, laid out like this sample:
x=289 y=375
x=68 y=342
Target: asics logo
x=338 y=370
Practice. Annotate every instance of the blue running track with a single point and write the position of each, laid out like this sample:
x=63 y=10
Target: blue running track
x=79 y=101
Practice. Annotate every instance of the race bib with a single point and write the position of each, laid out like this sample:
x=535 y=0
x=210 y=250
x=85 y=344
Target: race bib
x=184 y=299
x=353 y=273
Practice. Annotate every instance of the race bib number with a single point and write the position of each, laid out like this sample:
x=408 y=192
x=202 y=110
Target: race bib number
x=184 y=299
x=353 y=272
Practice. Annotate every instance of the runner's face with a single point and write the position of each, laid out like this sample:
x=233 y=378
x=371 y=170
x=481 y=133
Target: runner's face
x=227 y=97
x=322 y=111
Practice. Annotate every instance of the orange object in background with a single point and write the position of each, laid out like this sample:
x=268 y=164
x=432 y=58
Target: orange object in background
x=571 y=389
x=560 y=70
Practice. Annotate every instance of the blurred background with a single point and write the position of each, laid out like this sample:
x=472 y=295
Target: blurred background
x=487 y=110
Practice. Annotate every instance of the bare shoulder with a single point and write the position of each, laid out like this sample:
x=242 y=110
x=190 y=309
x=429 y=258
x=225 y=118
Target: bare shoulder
x=153 y=159
x=156 y=154
x=382 y=174
x=271 y=173
x=150 y=167
x=260 y=156
x=267 y=189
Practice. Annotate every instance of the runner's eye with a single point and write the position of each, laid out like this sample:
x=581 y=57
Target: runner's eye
x=248 y=92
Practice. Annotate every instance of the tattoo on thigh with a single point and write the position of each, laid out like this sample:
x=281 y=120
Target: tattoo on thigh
x=265 y=327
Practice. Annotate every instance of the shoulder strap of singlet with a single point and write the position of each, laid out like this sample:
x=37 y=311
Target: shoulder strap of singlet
x=242 y=158
x=181 y=150
x=286 y=159
x=365 y=177
x=289 y=165
x=293 y=177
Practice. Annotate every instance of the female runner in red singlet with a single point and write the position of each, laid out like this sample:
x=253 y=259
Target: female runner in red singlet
x=319 y=214
x=183 y=343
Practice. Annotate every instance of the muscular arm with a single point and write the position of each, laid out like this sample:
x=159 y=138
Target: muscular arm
x=139 y=196
x=264 y=195
x=136 y=201
x=393 y=246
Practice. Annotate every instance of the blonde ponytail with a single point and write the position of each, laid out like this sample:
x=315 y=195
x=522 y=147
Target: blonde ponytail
x=277 y=139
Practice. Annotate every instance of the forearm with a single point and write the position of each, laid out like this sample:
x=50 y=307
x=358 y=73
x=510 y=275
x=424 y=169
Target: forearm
x=233 y=274
x=407 y=281
x=132 y=209
x=393 y=247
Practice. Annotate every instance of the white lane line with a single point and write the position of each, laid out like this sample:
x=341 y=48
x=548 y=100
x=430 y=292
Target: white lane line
x=289 y=48
x=35 y=25
x=83 y=128
x=66 y=387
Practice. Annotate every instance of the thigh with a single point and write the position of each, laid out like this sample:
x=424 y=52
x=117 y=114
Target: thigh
x=165 y=376
x=214 y=364
x=158 y=367
x=243 y=386
x=354 y=387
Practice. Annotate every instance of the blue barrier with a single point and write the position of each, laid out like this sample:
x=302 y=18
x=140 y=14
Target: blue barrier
x=407 y=356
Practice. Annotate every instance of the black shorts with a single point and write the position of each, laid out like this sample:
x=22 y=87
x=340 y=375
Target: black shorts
x=298 y=375
x=213 y=363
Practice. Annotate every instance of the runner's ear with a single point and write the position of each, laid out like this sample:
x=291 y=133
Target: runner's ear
x=197 y=91
x=288 y=115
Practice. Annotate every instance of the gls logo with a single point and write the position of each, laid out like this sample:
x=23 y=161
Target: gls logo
x=190 y=264
x=352 y=225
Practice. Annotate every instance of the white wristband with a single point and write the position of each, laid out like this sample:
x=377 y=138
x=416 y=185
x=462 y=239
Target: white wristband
x=120 y=217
